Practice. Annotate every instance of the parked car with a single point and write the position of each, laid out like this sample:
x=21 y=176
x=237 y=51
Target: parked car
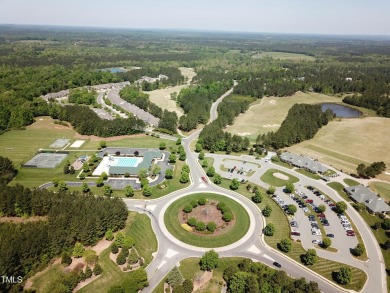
x=332 y=205
x=316 y=241
x=350 y=233
x=309 y=201
x=325 y=223
x=295 y=233
x=204 y=179
x=322 y=215
x=312 y=218
x=276 y=264
x=330 y=235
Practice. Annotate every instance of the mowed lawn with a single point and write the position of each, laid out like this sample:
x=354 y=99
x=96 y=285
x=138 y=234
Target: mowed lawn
x=269 y=178
x=268 y=113
x=382 y=188
x=346 y=143
x=284 y=56
x=233 y=234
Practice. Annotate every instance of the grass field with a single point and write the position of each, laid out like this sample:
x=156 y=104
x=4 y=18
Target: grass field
x=382 y=188
x=308 y=174
x=270 y=179
x=268 y=113
x=162 y=97
x=44 y=281
x=25 y=144
x=236 y=232
x=350 y=182
x=284 y=56
x=340 y=189
x=282 y=230
x=345 y=144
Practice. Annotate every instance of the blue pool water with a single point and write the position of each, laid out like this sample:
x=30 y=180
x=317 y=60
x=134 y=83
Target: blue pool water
x=126 y=162
x=113 y=69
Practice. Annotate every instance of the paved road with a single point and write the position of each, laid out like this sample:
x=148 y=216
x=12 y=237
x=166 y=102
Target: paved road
x=171 y=250
x=101 y=101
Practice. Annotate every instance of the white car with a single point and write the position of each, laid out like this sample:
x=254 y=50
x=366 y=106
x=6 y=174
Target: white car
x=316 y=241
x=347 y=227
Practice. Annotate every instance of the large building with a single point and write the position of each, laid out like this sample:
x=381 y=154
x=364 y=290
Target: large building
x=303 y=162
x=373 y=202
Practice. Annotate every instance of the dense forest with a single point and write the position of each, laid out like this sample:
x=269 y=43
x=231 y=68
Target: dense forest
x=212 y=136
x=251 y=276
x=302 y=122
x=63 y=227
x=87 y=122
x=83 y=96
x=196 y=102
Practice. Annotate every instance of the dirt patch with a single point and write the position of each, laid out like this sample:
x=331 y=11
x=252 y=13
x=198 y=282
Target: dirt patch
x=207 y=213
x=17 y=220
x=202 y=280
x=46 y=122
x=280 y=176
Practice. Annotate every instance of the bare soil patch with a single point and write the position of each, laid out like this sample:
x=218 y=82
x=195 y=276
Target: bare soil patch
x=280 y=176
x=207 y=213
x=46 y=122
x=202 y=280
x=112 y=138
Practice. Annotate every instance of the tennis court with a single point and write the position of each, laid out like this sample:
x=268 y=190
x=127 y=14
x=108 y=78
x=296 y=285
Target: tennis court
x=45 y=160
x=59 y=143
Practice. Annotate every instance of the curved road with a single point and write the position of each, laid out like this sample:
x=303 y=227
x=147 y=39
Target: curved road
x=171 y=251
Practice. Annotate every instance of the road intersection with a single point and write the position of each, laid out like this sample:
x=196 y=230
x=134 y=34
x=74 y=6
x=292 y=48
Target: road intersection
x=171 y=251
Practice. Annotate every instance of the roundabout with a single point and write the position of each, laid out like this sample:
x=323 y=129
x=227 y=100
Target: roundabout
x=225 y=233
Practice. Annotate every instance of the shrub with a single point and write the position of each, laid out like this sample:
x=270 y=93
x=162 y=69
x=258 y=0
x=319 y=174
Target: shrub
x=326 y=242
x=257 y=198
x=88 y=272
x=209 y=261
x=211 y=226
x=343 y=276
x=78 y=250
x=271 y=190
x=187 y=209
x=359 y=249
x=285 y=245
x=267 y=211
x=310 y=258
x=121 y=259
x=194 y=203
x=200 y=226
x=97 y=270
x=66 y=259
x=114 y=248
x=202 y=201
x=227 y=216
x=201 y=155
x=269 y=229
x=169 y=174
x=192 y=222
x=210 y=171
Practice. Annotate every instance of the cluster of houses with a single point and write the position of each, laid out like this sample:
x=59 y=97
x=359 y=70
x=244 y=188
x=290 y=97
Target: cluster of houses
x=373 y=202
x=151 y=79
x=303 y=162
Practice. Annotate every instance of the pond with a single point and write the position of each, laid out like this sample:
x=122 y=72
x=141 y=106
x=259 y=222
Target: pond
x=341 y=111
x=114 y=69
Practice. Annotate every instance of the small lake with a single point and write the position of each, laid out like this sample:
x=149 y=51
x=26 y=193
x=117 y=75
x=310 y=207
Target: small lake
x=114 y=69
x=341 y=111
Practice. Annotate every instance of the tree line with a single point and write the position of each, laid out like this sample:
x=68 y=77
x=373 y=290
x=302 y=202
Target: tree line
x=196 y=102
x=302 y=122
x=212 y=136
x=83 y=96
x=28 y=247
x=85 y=121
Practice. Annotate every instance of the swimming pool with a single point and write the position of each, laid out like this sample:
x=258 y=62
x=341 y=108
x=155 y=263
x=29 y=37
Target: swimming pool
x=125 y=162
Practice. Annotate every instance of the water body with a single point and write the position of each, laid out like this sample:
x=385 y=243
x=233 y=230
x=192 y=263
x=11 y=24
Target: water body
x=114 y=69
x=341 y=111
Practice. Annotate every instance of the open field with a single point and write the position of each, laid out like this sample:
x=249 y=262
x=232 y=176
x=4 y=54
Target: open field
x=350 y=182
x=21 y=145
x=239 y=229
x=269 y=178
x=382 y=188
x=268 y=113
x=162 y=97
x=345 y=144
x=284 y=56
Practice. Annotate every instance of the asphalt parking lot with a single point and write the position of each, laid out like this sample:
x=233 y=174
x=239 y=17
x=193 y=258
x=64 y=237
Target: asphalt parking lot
x=341 y=241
